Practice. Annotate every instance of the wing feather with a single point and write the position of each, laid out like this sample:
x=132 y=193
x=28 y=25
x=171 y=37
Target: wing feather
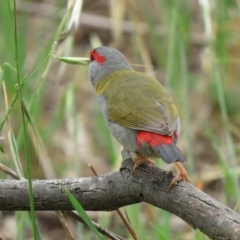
x=145 y=105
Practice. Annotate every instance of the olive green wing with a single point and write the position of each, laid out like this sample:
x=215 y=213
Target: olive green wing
x=145 y=104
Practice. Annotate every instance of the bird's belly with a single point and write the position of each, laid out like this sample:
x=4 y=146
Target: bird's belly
x=128 y=138
x=125 y=136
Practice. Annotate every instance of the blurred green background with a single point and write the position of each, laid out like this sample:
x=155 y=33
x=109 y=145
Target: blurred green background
x=190 y=46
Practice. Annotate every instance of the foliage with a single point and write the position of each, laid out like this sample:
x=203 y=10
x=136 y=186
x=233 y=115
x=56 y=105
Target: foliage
x=48 y=115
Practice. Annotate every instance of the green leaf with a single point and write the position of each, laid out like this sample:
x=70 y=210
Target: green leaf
x=1 y=74
x=9 y=65
x=78 y=207
x=28 y=116
x=2 y=150
x=74 y=60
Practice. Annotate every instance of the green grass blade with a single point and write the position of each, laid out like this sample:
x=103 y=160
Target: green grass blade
x=171 y=47
x=23 y=220
x=1 y=75
x=163 y=228
x=15 y=154
x=7 y=112
x=2 y=150
x=28 y=116
x=26 y=147
x=78 y=207
x=74 y=60
x=15 y=97
x=185 y=102
x=227 y=132
x=231 y=188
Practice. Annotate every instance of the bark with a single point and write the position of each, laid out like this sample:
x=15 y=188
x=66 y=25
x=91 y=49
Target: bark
x=114 y=190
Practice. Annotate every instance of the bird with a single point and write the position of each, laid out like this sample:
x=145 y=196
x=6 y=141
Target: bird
x=138 y=110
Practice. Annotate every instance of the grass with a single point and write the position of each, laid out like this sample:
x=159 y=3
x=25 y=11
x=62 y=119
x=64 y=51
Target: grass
x=24 y=126
x=52 y=112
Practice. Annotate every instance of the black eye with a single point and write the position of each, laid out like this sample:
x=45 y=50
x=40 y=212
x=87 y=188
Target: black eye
x=92 y=57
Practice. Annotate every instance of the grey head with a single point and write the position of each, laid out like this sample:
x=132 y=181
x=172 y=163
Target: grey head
x=105 y=60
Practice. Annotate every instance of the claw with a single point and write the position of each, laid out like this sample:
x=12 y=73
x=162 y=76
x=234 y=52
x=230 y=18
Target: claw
x=137 y=163
x=175 y=181
x=140 y=160
x=182 y=176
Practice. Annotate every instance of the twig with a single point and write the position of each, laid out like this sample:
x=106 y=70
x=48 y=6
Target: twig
x=1 y=238
x=115 y=190
x=130 y=229
x=102 y=230
x=97 y=21
x=65 y=226
x=9 y=171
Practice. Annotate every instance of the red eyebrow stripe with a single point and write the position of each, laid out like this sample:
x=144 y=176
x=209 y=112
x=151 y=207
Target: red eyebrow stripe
x=99 y=58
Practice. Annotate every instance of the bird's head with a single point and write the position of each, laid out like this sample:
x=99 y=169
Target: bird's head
x=105 y=60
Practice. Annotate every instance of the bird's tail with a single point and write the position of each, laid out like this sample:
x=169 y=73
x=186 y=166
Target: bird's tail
x=170 y=153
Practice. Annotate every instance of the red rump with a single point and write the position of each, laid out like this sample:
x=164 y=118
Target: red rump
x=153 y=139
x=95 y=56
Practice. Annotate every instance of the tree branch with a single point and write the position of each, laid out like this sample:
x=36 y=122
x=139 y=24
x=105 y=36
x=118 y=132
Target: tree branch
x=114 y=190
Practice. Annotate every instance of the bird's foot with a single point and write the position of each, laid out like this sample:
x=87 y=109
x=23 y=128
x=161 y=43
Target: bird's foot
x=140 y=160
x=182 y=176
x=175 y=181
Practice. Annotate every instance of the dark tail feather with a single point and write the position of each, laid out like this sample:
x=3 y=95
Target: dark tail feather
x=170 y=153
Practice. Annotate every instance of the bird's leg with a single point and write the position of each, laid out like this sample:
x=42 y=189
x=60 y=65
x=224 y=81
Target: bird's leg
x=138 y=159
x=182 y=175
